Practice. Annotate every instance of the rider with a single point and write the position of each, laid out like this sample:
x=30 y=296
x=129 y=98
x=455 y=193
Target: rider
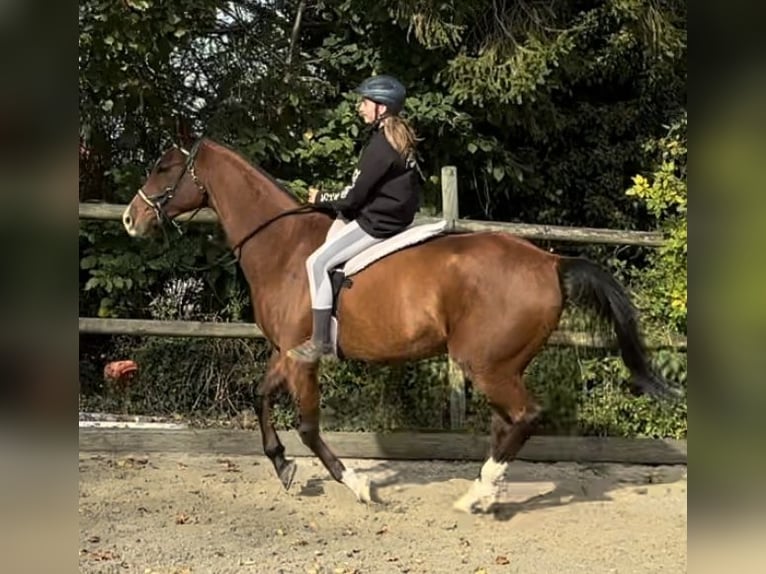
x=381 y=201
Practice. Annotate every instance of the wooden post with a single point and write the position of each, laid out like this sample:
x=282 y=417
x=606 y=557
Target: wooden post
x=455 y=377
x=449 y=195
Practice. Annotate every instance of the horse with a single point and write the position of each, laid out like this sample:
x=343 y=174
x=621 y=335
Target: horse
x=489 y=300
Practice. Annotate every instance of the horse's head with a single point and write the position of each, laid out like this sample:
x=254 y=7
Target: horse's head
x=171 y=188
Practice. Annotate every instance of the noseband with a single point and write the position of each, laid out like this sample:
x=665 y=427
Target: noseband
x=156 y=202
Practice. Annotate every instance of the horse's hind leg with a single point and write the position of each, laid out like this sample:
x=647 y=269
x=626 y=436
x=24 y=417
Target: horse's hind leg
x=513 y=415
x=306 y=389
x=272 y=446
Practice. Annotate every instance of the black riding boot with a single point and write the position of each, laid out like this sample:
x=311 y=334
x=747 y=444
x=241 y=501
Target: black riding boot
x=319 y=344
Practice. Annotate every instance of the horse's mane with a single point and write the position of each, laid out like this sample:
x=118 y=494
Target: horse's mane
x=238 y=158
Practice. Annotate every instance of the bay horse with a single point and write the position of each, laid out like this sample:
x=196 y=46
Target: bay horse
x=488 y=299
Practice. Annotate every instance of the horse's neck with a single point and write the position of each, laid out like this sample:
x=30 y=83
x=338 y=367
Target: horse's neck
x=245 y=199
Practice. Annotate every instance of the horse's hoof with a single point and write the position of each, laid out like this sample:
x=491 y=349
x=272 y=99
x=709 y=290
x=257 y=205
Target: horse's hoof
x=467 y=505
x=359 y=485
x=287 y=474
x=364 y=492
x=475 y=501
x=473 y=507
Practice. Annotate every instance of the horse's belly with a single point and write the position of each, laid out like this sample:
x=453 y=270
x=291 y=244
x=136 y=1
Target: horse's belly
x=388 y=320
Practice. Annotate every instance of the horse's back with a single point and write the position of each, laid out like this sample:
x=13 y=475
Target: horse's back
x=473 y=252
x=416 y=297
x=433 y=267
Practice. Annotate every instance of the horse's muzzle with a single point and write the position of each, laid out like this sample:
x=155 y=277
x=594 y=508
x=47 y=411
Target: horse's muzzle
x=137 y=219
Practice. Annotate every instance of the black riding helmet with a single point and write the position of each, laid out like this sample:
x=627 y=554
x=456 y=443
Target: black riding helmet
x=385 y=90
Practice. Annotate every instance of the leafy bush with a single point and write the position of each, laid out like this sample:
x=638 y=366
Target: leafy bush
x=662 y=286
x=215 y=379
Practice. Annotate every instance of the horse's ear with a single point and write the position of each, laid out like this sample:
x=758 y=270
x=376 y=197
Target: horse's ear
x=184 y=134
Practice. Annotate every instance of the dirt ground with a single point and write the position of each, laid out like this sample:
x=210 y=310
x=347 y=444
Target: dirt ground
x=174 y=513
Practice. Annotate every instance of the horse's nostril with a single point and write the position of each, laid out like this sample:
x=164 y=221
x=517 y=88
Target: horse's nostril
x=127 y=221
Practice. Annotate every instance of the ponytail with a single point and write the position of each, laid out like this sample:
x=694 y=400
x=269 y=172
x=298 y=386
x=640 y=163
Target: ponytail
x=400 y=135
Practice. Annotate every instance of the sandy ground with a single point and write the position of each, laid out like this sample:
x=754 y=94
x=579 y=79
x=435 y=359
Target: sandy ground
x=175 y=513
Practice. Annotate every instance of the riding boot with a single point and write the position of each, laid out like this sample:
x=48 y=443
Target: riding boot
x=319 y=344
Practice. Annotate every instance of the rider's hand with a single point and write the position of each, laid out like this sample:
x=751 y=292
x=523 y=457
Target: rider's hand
x=313 y=191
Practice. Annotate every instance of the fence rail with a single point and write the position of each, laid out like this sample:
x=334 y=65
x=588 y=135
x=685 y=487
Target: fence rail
x=152 y=327
x=395 y=445
x=113 y=212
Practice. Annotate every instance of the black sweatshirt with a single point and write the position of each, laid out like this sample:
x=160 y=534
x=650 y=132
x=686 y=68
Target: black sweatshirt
x=384 y=194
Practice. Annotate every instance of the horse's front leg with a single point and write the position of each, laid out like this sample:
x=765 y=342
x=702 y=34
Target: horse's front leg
x=272 y=446
x=306 y=387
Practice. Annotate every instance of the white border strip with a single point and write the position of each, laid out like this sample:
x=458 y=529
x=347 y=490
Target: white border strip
x=132 y=425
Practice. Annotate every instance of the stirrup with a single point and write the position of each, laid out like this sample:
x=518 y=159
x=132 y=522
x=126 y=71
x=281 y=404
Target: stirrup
x=309 y=351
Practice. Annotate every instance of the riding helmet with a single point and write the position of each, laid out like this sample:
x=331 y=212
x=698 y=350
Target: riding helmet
x=385 y=90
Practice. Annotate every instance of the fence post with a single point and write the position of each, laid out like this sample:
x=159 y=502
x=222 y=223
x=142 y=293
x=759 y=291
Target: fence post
x=454 y=373
x=449 y=195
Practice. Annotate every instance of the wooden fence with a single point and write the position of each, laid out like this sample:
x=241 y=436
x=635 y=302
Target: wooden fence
x=399 y=445
x=450 y=212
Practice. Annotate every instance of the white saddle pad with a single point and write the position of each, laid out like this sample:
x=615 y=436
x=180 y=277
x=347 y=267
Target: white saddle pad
x=415 y=233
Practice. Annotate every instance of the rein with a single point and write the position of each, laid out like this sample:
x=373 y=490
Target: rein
x=300 y=209
x=156 y=202
x=237 y=248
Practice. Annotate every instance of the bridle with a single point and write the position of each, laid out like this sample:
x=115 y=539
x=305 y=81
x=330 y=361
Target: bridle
x=156 y=202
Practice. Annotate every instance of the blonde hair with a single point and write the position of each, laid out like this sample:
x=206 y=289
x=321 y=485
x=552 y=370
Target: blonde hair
x=400 y=135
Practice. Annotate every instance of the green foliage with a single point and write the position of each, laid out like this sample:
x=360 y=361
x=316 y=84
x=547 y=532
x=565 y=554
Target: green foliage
x=180 y=376
x=120 y=277
x=358 y=397
x=193 y=378
x=215 y=380
x=607 y=410
x=665 y=196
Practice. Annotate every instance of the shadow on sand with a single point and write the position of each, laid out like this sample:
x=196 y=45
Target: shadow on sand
x=527 y=487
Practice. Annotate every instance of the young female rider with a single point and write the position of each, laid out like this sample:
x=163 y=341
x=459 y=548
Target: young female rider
x=380 y=202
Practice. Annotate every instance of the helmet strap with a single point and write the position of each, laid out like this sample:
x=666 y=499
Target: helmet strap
x=380 y=117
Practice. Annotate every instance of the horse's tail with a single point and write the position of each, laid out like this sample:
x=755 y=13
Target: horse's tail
x=590 y=286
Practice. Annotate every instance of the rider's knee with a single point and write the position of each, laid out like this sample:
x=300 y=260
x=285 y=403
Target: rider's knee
x=311 y=262
x=317 y=262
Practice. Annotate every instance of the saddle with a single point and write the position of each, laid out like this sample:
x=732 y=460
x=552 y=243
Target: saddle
x=341 y=276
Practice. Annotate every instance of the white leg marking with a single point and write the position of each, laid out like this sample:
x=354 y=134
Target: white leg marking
x=481 y=496
x=359 y=485
x=493 y=471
